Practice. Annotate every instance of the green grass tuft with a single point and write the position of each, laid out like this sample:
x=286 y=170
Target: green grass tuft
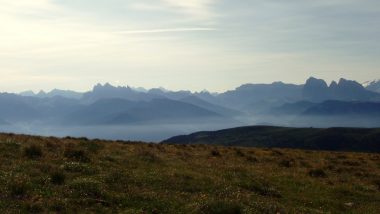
x=52 y=175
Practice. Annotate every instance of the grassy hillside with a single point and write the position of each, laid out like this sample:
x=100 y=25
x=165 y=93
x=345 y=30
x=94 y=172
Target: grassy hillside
x=332 y=139
x=77 y=175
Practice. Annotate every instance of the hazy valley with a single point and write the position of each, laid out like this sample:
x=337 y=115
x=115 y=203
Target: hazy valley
x=153 y=115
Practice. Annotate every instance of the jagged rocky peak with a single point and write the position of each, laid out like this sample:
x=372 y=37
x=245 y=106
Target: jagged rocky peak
x=41 y=93
x=97 y=86
x=27 y=93
x=343 y=83
x=106 y=86
x=156 y=91
x=373 y=85
x=373 y=82
x=278 y=83
x=316 y=90
x=316 y=83
x=334 y=85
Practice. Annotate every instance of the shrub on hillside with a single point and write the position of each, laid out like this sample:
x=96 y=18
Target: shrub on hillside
x=252 y=159
x=317 y=173
x=77 y=167
x=76 y=154
x=57 y=178
x=261 y=187
x=287 y=163
x=377 y=184
x=215 y=153
x=222 y=207
x=33 y=151
x=86 y=188
x=148 y=156
x=239 y=153
x=92 y=146
x=18 y=188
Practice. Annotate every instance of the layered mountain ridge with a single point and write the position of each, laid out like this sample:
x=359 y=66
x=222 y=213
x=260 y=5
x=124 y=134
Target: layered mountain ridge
x=315 y=103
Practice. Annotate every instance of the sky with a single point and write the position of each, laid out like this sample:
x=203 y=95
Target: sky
x=194 y=44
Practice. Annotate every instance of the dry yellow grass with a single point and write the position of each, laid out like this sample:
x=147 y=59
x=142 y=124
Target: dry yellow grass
x=69 y=175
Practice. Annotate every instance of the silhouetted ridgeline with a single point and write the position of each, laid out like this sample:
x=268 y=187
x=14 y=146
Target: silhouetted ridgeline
x=334 y=139
x=153 y=115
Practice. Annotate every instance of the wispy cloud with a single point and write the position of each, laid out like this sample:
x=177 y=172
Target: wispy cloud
x=27 y=7
x=98 y=40
x=164 y=30
x=200 y=10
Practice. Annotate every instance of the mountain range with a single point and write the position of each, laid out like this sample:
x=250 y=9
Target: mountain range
x=346 y=90
x=53 y=93
x=122 y=111
x=315 y=103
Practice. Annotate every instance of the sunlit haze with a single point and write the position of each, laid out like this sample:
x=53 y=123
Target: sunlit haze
x=194 y=44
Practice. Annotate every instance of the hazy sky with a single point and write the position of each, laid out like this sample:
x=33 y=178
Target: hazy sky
x=185 y=44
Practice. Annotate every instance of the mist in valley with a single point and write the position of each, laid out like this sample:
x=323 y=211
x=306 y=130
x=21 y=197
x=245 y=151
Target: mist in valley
x=124 y=113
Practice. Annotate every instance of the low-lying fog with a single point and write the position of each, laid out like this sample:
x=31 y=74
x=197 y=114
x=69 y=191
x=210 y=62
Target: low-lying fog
x=156 y=132
x=147 y=133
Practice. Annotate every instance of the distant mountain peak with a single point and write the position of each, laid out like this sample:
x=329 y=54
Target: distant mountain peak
x=278 y=83
x=27 y=93
x=97 y=86
x=370 y=82
x=342 y=80
x=333 y=84
x=250 y=86
x=349 y=84
x=204 y=91
x=55 y=90
x=107 y=87
x=140 y=89
x=316 y=89
x=159 y=90
x=373 y=85
x=41 y=93
x=348 y=80
x=53 y=93
x=314 y=82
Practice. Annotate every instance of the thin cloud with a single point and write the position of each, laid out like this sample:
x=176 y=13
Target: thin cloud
x=27 y=7
x=165 y=30
x=97 y=40
x=200 y=10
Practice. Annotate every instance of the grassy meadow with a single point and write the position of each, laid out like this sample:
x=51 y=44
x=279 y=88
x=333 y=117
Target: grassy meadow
x=53 y=175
